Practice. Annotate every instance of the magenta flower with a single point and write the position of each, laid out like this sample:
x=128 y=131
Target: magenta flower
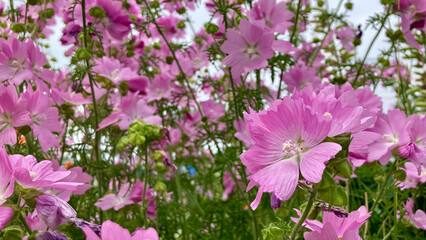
x=301 y=76
x=7 y=181
x=53 y=210
x=241 y=133
x=6 y=213
x=276 y=15
x=284 y=136
x=249 y=49
x=13 y=113
x=131 y=109
x=419 y=218
x=136 y=195
x=335 y=227
x=113 y=231
x=45 y=118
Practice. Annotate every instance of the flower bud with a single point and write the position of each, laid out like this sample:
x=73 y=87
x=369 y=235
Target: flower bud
x=212 y=28
x=17 y=27
x=160 y=186
x=83 y=54
x=349 y=5
x=154 y=4
x=400 y=175
x=53 y=210
x=320 y=3
x=181 y=25
x=97 y=12
x=344 y=169
x=181 y=10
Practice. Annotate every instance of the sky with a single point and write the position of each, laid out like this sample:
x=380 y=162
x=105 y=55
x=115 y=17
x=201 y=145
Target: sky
x=362 y=10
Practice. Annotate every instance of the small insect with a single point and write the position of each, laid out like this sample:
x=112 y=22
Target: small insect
x=338 y=211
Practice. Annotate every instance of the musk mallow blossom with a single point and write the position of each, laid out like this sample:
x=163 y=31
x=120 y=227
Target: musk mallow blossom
x=286 y=139
x=7 y=181
x=335 y=227
x=32 y=174
x=13 y=113
x=117 y=21
x=276 y=15
x=392 y=128
x=248 y=49
x=45 y=118
x=116 y=201
x=212 y=110
x=113 y=231
x=418 y=218
x=132 y=108
x=301 y=76
x=414 y=176
x=415 y=150
x=6 y=213
x=346 y=36
x=53 y=210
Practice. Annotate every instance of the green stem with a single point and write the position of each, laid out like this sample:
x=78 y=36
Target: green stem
x=145 y=207
x=304 y=215
x=379 y=196
x=369 y=48
x=95 y=110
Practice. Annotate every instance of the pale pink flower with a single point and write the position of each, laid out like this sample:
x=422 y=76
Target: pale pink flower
x=393 y=130
x=335 y=227
x=6 y=213
x=276 y=15
x=346 y=36
x=45 y=118
x=7 y=181
x=132 y=109
x=32 y=174
x=414 y=176
x=116 y=201
x=301 y=76
x=284 y=136
x=13 y=113
x=419 y=218
x=248 y=49
x=415 y=150
x=212 y=110
x=241 y=133
x=113 y=231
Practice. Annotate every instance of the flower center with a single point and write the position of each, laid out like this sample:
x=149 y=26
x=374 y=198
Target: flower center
x=327 y=114
x=251 y=51
x=290 y=148
x=33 y=175
x=390 y=139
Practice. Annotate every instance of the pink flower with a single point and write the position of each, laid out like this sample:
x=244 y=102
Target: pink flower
x=301 y=76
x=249 y=49
x=116 y=201
x=13 y=61
x=212 y=110
x=241 y=133
x=6 y=213
x=413 y=176
x=283 y=136
x=419 y=218
x=45 y=119
x=31 y=174
x=136 y=196
x=131 y=109
x=7 y=181
x=393 y=129
x=117 y=22
x=13 y=113
x=335 y=227
x=276 y=15
x=113 y=231
x=346 y=36
x=415 y=150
